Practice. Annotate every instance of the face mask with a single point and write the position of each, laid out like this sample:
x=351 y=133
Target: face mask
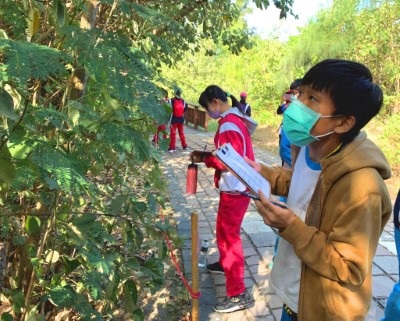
x=298 y=120
x=214 y=115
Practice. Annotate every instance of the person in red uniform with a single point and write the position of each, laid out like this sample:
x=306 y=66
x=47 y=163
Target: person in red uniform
x=161 y=127
x=179 y=107
x=234 y=127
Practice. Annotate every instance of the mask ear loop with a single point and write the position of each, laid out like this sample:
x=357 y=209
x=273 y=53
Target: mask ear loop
x=331 y=132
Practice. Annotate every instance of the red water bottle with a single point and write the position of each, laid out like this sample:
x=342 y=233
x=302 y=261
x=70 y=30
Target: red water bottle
x=191 y=179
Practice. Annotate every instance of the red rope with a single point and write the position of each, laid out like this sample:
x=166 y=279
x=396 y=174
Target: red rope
x=185 y=282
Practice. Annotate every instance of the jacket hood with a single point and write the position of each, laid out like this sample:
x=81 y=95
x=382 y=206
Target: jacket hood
x=250 y=123
x=353 y=158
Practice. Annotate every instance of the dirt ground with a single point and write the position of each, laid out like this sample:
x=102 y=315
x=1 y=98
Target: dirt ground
x=267 y=137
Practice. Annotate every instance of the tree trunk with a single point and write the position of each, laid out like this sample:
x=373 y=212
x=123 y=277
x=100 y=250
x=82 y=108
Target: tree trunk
x=79 y=77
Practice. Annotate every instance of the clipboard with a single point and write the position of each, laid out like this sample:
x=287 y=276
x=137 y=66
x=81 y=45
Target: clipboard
x=243 y=171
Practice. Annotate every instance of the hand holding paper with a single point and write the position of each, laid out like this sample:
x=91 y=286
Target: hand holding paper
x=237 y=165
x=197 y=156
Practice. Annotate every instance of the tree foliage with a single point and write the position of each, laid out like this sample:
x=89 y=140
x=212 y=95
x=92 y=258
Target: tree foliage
x=80 y=183
x=364 y=31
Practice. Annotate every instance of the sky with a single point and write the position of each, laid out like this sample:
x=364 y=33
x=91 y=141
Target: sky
x=266 y=21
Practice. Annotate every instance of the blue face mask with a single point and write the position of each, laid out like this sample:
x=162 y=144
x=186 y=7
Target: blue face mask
x=298 y=120
x=214 y=115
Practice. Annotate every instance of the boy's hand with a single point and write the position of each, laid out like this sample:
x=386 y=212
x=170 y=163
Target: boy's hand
x=255 y=165
x=273 y=215
x=198 y=156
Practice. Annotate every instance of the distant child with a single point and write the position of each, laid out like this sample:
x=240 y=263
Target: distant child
x=234 y=127
x=162 y=127
x=284 y=143
x=179 y=107
x=243 y=103
x=338 y=202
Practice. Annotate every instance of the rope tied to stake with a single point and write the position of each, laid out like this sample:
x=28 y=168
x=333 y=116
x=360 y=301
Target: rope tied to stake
x=173 y=257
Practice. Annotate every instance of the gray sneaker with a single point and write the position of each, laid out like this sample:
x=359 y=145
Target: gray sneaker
x=235 y=303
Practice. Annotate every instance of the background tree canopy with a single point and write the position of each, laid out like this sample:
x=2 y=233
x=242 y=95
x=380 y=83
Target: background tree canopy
x=364 y=31
x=80 y=187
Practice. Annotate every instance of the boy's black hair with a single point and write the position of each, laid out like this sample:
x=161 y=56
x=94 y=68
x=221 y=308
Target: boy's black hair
x=213 y=91
x=295 y=83
x=351 y=87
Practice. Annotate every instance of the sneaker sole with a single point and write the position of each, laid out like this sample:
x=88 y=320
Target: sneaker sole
x=237 y=308
x=215 y=272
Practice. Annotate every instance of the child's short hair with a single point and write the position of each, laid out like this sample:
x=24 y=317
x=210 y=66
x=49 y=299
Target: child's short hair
x=351 y=87
x=295 y=84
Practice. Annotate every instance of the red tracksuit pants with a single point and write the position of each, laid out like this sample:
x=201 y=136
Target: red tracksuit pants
x=173 y=128
x=231 y=210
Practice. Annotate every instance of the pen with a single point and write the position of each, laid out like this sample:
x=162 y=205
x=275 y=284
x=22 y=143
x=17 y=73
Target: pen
x=255 y=197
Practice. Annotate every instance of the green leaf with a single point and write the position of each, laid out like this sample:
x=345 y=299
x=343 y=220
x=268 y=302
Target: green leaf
x=138 y=315
x=70 y=265
x=154 y=268
x=19 y=240
x=6 y=317
x=84 y=219
x=25 y=60
x=130 y=295
x=7 y=105
x=18 y=301
x=133 y=263
x=67 y=297
x=20 y=149
x=7 y=170
x=32 y=225
x=163 y=226
x=104 y=263
x=117 y=203
x=60 y=12
x=112 y=291
x=139 y=207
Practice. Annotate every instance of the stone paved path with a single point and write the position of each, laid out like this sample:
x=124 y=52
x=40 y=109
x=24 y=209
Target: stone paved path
x=258 y=241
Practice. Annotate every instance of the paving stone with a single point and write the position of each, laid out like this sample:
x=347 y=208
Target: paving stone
x=273 y=301
x=219 y=279
x=255 y=227
x=382 y=286
x=389 y=264
x=252 y=260
x=221 y=290
x=263 y=239
x=249 y=251
x=376 y=270
x=236 y=316
x=249 y=283
x=260 y=309
x=207 y=296
x=375 y=312
x=383 y=250
x=277 y=313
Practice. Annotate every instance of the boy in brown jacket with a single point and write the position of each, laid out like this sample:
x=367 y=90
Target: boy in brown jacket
x=338 y=203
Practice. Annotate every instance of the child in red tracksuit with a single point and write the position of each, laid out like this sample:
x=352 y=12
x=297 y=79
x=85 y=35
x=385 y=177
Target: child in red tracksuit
x=235 y=128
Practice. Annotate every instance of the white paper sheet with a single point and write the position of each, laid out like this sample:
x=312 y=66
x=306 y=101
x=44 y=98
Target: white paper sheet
x=242 y=170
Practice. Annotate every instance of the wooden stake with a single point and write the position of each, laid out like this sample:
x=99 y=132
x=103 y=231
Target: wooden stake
x=195 y=267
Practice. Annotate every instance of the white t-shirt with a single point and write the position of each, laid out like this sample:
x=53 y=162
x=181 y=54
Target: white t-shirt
x=286 y=270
